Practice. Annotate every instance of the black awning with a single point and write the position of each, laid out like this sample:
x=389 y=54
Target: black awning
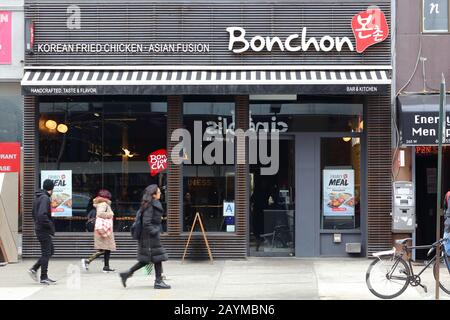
x=419 y=119
x=122 y=81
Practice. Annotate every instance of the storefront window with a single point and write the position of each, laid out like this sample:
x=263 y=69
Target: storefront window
x=340 y=183
x=11 y=109
x=208 y=187
x=105 y=142
x=332 y=115
x=11 y=124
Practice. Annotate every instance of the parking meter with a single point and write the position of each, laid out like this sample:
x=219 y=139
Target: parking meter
x=404 y=211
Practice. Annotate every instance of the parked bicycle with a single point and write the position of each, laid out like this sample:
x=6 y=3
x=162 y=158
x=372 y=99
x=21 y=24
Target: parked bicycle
x=390 y=273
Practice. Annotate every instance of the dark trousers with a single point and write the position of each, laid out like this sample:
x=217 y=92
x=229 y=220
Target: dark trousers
x=47 y=250
x=105 y=253
x=139 y=265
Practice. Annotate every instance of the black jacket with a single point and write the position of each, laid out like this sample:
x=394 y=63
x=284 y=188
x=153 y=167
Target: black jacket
x=42 y=214
x=150 y=248
x=446 y=206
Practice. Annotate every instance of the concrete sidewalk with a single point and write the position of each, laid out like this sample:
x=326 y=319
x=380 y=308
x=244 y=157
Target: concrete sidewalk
x=255 y=278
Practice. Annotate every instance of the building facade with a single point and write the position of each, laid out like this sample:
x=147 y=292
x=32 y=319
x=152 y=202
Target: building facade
x=108 y=86
x=422 y=41
x=11 y=70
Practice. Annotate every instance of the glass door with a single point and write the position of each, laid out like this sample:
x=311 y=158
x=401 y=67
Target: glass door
x=272 y=207
x=340 y=183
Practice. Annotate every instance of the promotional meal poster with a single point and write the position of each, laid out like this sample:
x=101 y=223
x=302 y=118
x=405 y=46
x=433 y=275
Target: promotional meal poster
x=61 y=200
x=339 y=192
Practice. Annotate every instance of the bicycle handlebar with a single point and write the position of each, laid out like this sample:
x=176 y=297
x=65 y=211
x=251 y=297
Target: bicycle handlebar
x=434 y=245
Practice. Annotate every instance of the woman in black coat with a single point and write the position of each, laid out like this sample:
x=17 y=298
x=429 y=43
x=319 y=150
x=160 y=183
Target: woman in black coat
x=150 y=249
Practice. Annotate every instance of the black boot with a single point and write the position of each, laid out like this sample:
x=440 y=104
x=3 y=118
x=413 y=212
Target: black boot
x=160 y=284
x=124 y=277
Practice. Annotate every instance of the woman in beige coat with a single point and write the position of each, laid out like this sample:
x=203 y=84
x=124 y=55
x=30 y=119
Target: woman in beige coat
x=104 y=241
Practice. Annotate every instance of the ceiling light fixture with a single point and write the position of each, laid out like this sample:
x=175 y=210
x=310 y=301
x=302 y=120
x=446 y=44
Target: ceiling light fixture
x=62 y=128
x=51 y=125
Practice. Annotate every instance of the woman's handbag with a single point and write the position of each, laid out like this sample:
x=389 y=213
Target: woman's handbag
x=136 y=227
x=90 y=224
x=104 y=227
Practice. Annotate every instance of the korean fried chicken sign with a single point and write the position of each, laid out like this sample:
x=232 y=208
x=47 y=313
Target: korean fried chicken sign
x=157 y=161
x=369 y=27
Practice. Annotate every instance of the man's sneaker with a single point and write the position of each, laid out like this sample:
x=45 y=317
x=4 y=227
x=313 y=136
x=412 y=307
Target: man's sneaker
x=108 y=269
x=85 y=264
x=159 y=284
x=48 y=281
x=33 y=274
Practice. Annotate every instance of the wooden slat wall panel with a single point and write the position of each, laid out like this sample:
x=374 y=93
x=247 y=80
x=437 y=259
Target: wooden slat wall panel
x=82 y=245
x=200 y=22
x=241 y=193
x=174 y=172
x=379 y=190
x=30 y=154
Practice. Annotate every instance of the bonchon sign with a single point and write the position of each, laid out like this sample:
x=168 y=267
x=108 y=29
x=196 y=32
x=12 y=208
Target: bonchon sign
x=157 y=161
x=369 y=27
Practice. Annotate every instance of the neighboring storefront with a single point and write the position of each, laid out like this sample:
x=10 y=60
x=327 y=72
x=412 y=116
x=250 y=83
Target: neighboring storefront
x=418 y=127
x=107 y=87
x=422 y=26
x=11 y=100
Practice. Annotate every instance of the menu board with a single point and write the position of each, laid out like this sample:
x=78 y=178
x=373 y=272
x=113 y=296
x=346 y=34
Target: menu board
x=61 y=200
x=338 y=192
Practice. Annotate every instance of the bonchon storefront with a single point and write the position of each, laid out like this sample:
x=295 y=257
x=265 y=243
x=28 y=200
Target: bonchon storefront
x=271 y=120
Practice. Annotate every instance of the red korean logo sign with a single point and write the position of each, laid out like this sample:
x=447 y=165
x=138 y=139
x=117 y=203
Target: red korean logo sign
x=157 y=161
x=10 y=157
x=369 y=27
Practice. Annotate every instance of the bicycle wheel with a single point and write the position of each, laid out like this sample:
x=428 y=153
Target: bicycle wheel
x=387 y=278
x=444 y=274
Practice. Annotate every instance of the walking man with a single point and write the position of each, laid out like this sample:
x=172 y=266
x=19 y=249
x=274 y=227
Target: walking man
x=45 y=230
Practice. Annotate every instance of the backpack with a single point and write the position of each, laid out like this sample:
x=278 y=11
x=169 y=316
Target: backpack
x=90 y=224
x=136 y=227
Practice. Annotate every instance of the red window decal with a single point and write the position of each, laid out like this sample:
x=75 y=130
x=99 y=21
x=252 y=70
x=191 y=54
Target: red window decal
x=157 y=161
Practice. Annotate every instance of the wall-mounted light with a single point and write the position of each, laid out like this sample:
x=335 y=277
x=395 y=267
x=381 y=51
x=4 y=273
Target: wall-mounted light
x=361 y=125
x=401 y=158
x=51 y=124
x=96 y=114
x=62 y=128
x=347 y=139
x=127 y=153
